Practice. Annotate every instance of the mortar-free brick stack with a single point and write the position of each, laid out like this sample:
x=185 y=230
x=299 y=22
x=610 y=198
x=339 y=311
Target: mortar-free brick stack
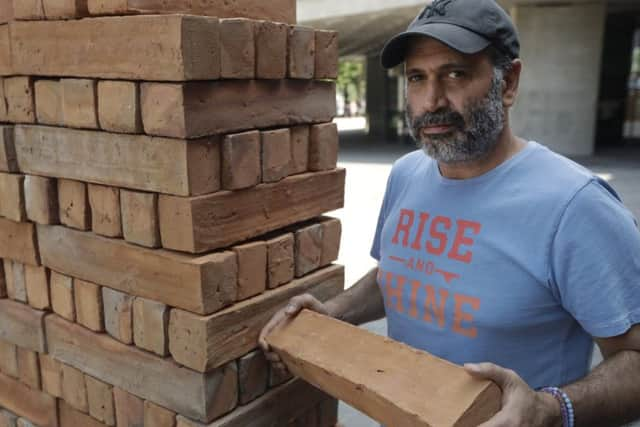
x=164 y=171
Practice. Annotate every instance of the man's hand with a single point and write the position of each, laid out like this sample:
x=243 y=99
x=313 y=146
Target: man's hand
x=521 y=406
x=295 y=305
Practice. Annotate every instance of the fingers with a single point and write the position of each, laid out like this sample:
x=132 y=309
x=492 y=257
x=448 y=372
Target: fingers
x=501 y=376
x=304 y=301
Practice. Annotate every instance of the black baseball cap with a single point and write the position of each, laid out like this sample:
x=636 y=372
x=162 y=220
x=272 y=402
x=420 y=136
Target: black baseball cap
x=468 y=26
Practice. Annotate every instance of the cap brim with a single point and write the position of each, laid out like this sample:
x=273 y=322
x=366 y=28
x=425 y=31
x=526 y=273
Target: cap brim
x=457 y=38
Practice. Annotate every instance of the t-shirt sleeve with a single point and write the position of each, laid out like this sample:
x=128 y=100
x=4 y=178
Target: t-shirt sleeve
x=382 y=216
x=595 y=262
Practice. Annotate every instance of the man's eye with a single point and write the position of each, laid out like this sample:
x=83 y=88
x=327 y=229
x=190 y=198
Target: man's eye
x=414 y=78
x=456 y=74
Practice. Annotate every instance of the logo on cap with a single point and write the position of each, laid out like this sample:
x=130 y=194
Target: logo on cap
x=438 y=7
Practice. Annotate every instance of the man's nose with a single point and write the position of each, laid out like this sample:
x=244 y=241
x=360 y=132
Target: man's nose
x=434 y=97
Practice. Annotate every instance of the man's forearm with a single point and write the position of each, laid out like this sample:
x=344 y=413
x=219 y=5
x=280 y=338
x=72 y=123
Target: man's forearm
x=361 y=303
x=610 y=394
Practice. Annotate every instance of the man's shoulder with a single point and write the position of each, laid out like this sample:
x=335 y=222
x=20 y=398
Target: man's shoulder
x=408 y=164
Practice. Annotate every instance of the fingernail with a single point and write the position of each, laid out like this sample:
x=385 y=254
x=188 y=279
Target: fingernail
x=471 y=367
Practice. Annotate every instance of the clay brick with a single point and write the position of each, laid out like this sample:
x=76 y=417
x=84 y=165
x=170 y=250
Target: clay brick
x=252 y=269
x=28 y=9
x=8 y=359
x=65 y=9
x=62 y=301
x=6 y=67
x=108 y=7
x=253 y=376
x=12 y=205
x=51 y=373
x=118 y=314
x=74 y=389
x=140 y=218
x=278 y=377
x=22 y=325
x=19 y=241
x=150 y=323
x=331 y=235
x=6 y=11
x=88 y=302
x=271 y=50
x=280 y=260
x=37 y=282
x=3 y=281
x=79 y=103
x=241 y=160
x=18 y=289
x=119 y=106
x=157 y=416
x=237 y=49
x=3 y=101
x=49 y=102
x=8 y=159
x=29 y=368
x=308 y=249
x=326 y=57
x=69 y=417
x=18 y=92
x=7 y=419
x=323 y=147
x=301 y=53
x=41 y=199
x=31 y=403
x=299 y=149
x=129 y=408
x=276 y=155
x=105 y=210
x=100 y=399
x=73 y=204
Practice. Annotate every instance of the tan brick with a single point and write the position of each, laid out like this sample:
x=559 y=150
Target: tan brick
x=308 y=249
x=41 y=199
x=100 y=399
x=7 y=274
x=119 y=106
x=18 y=92
x=73 y=204
x=326 y=58
x=37 y=282
x=129 y=408
x=28 y=9
x=237 y=49
x=276 y=154
x=140 y=218
x=323 y=147
x=62 y=301
x=88 y=301
x=9 y=359
x=157 y=416
x=48 y=102
x=331 y=235
x=3 y=101
x=8 y=159
x=74 y=389
x=252 y=269
x=6 y=65
x=280 y=260
x=241 y=160
x=253 y=376
x=29 y=368
x=150 y=323
x=299 y=149
x=271 y=50
x=118 y=314
x=18 y=289
x=108 y=7
x=3 y=281
x=51 y=373
x=65 y=9
x=105 y=210
x=79 y=102
x=12 y=205
x=301 y=52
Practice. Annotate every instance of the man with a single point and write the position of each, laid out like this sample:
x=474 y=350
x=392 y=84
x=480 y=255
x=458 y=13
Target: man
x=493 y=251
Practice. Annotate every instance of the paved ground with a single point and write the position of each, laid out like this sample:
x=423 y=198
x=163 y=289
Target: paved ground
x=368 y=166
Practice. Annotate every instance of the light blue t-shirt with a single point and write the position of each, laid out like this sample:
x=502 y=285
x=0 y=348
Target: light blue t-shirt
x=520 y=266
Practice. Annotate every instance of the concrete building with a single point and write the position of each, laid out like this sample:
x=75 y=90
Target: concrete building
x=577 y=57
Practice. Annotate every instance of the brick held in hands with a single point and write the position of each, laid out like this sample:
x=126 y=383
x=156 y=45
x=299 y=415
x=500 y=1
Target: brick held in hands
x=41 y=199
x=65 y=9
x=326 y=55
x=118 y=314
x=49 y=102
x=323 y=147
x=8 y=359
x=157 y=416
x=28 y=9
x=241 y=160
x=18 y=92
x=276 y=154
x=140 y=218
x=12 y=203
x=29 y=368
x=308 y=249
x=119 y=106
x=74 y=389
x=299 y=149
x=37 y=283
x=27 y=402
x=280 y=260
x=51 y=373
x=100 y=399
x=331 y=235
x=253 y=376
x=252 y=269
x=8 y=159
x=150 y=323
x=271 y=49
x=73 y=204
x=105 y=210
x=237 y=49
x=301 y=52
x=88 y=301
x=62 y=300
x=171 y=48
x=79 y=103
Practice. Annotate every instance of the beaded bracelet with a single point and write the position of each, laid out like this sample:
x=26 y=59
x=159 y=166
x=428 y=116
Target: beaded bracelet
x=568 y=415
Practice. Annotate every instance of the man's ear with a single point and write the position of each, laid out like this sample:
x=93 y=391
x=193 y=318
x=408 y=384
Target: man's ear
x=512 y=81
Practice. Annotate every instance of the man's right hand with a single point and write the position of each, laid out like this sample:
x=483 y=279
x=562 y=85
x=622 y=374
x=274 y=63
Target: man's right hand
x=295 y=305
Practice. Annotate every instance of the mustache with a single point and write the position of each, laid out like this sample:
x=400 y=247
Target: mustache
x=444 y=116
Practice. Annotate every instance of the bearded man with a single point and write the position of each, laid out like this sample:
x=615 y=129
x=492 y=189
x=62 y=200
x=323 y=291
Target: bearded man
x=494 y=252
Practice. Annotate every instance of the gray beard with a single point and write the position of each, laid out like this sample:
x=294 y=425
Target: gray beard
x=475 y=133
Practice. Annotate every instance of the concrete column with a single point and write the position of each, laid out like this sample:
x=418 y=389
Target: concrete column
x=379 y=102
x=561 y=52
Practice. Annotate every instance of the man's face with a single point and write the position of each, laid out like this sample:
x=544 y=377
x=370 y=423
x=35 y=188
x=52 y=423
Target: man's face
x=454 y=101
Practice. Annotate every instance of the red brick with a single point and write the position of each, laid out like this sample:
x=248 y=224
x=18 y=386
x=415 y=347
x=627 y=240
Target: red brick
x=331 y=235
x=41 y=199
x=280 y=260
x=323 y=147
x=241 y=160
x=48 y=102
x=271 y=50
x=326 y=55
x=299 y=149
x=237 y=49
x=79 y=103
x=276 y=154
x=252 y=269
x=253 y=376
x=119 y=106
x=308 y=249
x=73 y=204
x=301 y=52
x=18 y=92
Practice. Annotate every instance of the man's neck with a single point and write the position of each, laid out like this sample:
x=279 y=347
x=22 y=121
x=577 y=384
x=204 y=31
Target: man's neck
x=507 y=146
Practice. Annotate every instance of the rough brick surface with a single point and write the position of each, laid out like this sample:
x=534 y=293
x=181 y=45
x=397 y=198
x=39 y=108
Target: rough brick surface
x=129 y=408
x=119 y=106
x=331 y=235
x=48 y=102
x=18 y=92
x=12 y=203
x=88 y=300
x=79 y=103
x=252 y=269
x=105 y=210
x=28 y=9
x=276 y=154
x=301 y=52
x=73 y=204
x=29 y=368
x=74 y=389
x=100 y=399
x=241 y=160
x=323 y=147
x=37 y=281
x=299 y=149
x=8 y=159
x=237 y=49
x=140 y=218
x=280 y=260
x=150 y=322
x=8 y=359
x=62 y=301
x=51 y=372
x=326 y=55
x=308 y=249
x=253 y=376
x=65 y=9
x=157 y=416
x=41 y=199
x=271 y=50
x=118 y=314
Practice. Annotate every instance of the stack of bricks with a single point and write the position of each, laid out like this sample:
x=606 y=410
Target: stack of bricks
x=164 y=172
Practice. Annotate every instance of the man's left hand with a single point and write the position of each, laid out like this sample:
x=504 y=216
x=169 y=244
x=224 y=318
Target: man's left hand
x=521 y=406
